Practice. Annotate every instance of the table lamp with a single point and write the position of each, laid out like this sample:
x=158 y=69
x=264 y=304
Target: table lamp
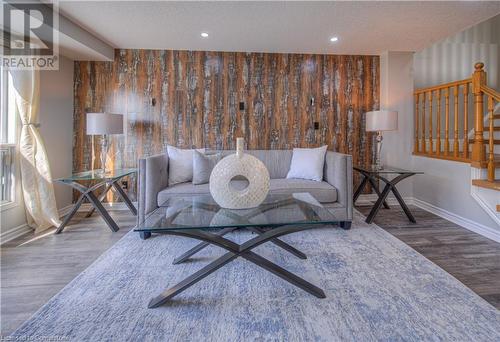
x=104 y=124
x=378 y=121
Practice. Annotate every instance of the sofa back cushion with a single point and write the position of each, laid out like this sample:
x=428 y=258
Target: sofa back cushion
x=180 y=165
x=277 y=162
x=308 y=163
x=203 y=164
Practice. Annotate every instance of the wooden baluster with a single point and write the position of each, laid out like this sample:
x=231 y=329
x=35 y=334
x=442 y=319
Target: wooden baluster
x=447 y=122
x=438 y=125
x=422 y=138
x=466 y=121
x=455 y=136
x=416 y=147
x=478 y=79
x=491 y=162
x=431 y=147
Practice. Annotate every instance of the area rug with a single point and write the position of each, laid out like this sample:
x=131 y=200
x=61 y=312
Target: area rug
x=377 y=289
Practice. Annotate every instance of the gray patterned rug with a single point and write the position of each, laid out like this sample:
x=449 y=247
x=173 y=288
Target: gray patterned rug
x=377 y=288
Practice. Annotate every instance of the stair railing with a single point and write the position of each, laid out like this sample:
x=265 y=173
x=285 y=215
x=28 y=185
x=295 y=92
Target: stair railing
x=493 y=96
x=432 y=141
x=478 y=81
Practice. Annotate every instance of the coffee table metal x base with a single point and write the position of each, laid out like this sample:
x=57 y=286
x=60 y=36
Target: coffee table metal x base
x=235 y=250
x=88 y=193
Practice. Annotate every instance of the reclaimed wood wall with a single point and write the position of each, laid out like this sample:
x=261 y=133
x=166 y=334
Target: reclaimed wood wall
x=192 y=99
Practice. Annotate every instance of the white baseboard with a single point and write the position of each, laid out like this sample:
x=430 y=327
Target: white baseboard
x=479 y=195
x=87 y=206
x=18 y=231
x=478 y=228
x=370 y=199
x=14 y=233
x=108 y=206
x=481 y=229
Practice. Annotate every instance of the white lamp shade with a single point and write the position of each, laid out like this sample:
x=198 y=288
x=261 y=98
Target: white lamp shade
x=104 y=123
x=381 y=120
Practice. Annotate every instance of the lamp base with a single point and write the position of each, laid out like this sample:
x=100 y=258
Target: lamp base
x=104 y=152
x=378 y=162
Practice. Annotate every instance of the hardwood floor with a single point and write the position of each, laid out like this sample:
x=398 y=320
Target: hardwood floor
x=35 y=268
x=471 y=258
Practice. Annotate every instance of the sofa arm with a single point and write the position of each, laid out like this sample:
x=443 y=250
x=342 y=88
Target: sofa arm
x=153 y=177
x=338 y=172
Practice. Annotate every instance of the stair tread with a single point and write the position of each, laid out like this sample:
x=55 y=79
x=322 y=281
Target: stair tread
x=496 y=117
x=484 y=183
x=484 y=164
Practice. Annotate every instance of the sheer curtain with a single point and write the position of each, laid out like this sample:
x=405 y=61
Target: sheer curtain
x=36 y=179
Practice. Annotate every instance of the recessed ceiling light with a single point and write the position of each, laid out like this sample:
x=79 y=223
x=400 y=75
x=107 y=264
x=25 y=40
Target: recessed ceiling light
x=204 y=34
x=334 y=39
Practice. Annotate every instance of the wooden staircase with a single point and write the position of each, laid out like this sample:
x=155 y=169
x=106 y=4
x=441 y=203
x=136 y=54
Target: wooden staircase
x=478 y=151
x=493 y=105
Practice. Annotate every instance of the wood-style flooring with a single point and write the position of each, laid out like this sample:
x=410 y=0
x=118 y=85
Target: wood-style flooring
x=35 y=268
x=471 y=258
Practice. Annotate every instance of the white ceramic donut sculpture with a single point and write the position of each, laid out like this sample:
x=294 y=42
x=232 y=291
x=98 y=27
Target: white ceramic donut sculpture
x=239 y=164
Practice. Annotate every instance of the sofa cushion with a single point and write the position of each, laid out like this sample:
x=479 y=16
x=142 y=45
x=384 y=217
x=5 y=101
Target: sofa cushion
x=180 y=165
x=203 y=164
x=322 y=191
x=308 y=163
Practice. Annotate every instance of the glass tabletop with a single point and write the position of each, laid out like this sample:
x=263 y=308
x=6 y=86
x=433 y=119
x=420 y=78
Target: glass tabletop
x=385 y=169
x=202 y=212
x=97 y=174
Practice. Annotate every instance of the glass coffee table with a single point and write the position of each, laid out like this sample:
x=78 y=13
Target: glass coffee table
x=371 y=175
x=201 y=218
x=97 y=179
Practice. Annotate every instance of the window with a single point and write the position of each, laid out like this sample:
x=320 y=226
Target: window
x=7 y=138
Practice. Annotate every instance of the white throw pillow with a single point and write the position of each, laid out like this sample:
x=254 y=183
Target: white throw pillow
x=180 y=165
x=308 y=163
x=203 y=164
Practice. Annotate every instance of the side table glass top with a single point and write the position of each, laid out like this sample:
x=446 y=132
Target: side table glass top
x=97 y=174
x=202 y=212
x=385 y=169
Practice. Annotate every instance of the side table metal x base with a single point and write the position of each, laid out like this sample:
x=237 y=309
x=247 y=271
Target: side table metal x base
x=390 y=186
x=88 y=193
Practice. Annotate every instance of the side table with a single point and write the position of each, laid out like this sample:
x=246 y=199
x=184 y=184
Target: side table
x=372 y=175
x=110 y=179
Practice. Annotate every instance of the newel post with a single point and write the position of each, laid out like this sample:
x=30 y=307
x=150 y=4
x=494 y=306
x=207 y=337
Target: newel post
x=478 y=79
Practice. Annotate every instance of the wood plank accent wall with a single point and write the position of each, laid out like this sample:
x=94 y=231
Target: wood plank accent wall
x=197 y=96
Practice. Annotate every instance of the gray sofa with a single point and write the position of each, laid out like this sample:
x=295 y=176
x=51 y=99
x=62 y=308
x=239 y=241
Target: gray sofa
x=334 y=192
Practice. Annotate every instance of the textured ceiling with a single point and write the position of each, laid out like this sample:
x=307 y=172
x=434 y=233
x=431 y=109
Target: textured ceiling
x=368 y=27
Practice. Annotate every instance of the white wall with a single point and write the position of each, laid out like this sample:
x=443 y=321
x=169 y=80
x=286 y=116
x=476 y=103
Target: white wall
x=56 y=128
x=396 y=93
x=453 y=58
x=446 y=184
x=56 y=124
